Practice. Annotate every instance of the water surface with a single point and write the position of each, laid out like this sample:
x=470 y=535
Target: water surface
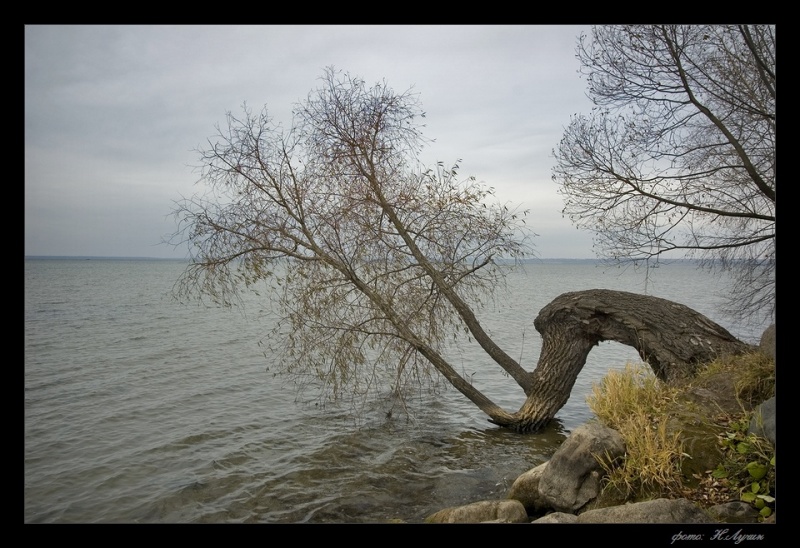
x=139 y=409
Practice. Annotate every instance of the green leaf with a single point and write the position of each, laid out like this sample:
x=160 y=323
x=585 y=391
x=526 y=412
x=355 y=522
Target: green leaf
x=748 y=497
x=765 y=512
x=719 y=473
x=757 y=470
x=743 y=448
x=755 y=487
x=766 y=498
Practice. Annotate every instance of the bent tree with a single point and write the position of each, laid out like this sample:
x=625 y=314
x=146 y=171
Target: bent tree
x=377 y=262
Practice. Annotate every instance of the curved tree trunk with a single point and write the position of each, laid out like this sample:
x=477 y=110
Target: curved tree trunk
x=672 y=338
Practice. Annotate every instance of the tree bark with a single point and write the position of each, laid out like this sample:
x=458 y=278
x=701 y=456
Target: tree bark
x=673 y=339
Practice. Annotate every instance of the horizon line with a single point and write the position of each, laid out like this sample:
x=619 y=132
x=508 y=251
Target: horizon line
x=149 y=258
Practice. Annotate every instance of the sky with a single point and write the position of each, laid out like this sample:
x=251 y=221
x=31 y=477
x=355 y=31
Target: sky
x=114 y=116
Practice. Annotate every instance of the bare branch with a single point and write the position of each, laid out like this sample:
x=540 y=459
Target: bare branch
x=376 y=260
x=678 y=155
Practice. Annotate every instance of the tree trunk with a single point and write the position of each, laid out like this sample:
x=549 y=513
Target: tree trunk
x=672 y=338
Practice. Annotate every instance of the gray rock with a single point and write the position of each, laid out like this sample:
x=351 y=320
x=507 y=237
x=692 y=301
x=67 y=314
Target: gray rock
x=572 y=476
x=526 y=490
x=485 y=511
x=763 y=421
x=734 y=512
x=557 y=517
x=651 y=511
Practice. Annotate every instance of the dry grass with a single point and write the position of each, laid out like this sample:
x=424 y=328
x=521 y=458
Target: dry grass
x=620 y=394
x=634 y=403
x=753 y=374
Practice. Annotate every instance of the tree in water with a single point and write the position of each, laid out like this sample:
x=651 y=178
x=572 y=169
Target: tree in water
x=378 y=262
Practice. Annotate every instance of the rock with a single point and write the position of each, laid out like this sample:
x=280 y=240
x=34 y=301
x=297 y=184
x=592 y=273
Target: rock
x=763 y=421
x=715 y=394
x=572 y=476
x=486 y=511
x=700 y=443
x=734 y=512
x=526 y=490
x=557 y=517
x=651 y=511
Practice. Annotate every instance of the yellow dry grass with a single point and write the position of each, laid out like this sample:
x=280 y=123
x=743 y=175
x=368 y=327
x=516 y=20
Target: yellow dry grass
x=633 y=402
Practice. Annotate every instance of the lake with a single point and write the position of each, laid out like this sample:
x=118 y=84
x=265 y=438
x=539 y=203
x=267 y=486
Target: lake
x=139 y=409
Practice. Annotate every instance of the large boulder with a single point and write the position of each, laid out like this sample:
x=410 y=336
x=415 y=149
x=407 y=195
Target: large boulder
x=526 y=490
x=495 y=511
x=734 y=512
x=572 y=476
x=557 y=517
x=762 y=422
x=651 y=511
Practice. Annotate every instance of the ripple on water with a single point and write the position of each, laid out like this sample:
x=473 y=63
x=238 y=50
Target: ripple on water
x=141 y=410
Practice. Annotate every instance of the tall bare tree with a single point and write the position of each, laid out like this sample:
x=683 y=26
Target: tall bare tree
x=377 y=262
x=677 y=158
x=383 y=254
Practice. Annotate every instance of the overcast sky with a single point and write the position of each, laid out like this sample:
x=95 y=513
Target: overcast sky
x=114 y=114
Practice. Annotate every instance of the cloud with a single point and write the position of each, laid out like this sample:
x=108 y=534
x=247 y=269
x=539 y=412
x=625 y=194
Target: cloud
x=113 y=113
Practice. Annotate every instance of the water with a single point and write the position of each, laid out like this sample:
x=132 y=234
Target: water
x=139 y=409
